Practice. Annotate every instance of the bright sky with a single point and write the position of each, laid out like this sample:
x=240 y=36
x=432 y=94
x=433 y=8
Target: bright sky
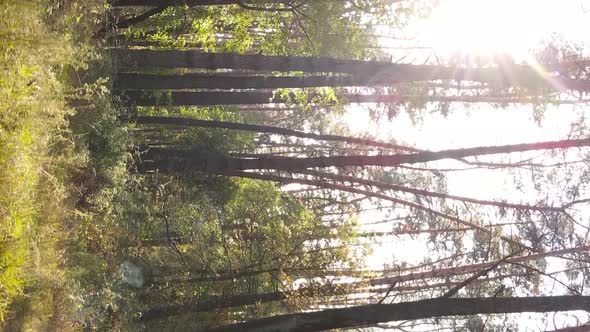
x=502 y=26
x=481 y=27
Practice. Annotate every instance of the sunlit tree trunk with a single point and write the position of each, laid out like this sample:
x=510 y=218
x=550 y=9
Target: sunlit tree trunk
x=503 y=76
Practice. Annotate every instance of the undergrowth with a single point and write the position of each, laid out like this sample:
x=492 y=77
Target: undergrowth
x=54 y=103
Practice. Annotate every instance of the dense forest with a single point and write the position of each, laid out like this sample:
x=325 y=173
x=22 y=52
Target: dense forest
x=294 y=165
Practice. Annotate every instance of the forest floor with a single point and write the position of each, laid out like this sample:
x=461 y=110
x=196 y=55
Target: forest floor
x=46 y=170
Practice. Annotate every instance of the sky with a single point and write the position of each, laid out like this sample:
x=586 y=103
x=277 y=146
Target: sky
x=502 y=26
x=485 y=27
x=479 y=27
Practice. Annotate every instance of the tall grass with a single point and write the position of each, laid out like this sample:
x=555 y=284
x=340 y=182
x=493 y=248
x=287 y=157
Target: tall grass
x=36 y=61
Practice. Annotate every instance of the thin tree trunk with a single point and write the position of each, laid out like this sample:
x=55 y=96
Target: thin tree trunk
x=426 y=231
x=415 y=191
x=125 y=23
x=413 y=276
x=379 y=313
x=222 y=302
x=380 y=196
x=170 y=160
x=422 y=231
x=174 y=98
x=433 y=273
x=204 y=98
x=141 y=81
x=155 y=3
x=447 y=284
x=437 y=273
x=179 y=121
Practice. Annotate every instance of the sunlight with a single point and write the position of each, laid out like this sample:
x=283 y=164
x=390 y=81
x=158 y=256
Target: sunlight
x=487 y=28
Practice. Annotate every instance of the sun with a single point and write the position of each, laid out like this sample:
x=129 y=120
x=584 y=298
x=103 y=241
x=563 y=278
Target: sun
x=490 y=27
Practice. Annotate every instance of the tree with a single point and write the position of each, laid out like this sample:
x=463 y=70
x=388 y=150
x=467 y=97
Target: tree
x=184 y=121
x=519 y=75
x=338 y=28
x=160 y=6
x=178 y=160
x=378 y=313
x=221 y=302
x=209 y=98
x=260 y=248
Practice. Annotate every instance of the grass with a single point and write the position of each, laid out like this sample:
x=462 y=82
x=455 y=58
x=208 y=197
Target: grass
x=43 y=48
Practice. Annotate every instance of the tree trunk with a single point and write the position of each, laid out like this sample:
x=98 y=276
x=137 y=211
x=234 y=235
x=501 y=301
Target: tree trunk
x=155 y=3
x=504 y=76
x=179 y=121
x=434 y=273
x=204 y=98
x=383 y=197
x=380 y=313
x=141 y=81
x=415 y=191
x=437 y=273
x=154 y=98
x=170 y=160
x=221 y=302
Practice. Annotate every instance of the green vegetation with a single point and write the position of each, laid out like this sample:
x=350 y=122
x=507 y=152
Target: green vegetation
x=183 y=203
x=72 y=215
x=32 y=114
x=43 y=49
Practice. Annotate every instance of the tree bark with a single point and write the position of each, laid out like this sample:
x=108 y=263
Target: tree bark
x=170 y=160
x=379 y=313
x=174 y=98
x=204 y=98
x=155 y=3
x=222 y=302
x=141 y=81
x=503 y=76
x=180 y=121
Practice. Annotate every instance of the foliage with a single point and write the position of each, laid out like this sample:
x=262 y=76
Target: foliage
x=45 y=52
x=318 y=28
x=32 y=111
x=89 y=241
